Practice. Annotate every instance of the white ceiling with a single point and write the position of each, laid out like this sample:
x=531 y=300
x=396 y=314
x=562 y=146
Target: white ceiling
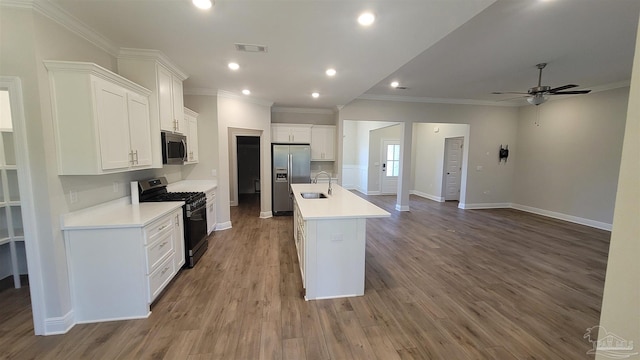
x=445 y=49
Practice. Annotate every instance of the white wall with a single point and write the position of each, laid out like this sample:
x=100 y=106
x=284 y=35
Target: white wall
x=207 y=109
x=489 y=126
x=235 y=112
x=303 y=116
x=620 y=311
x=569 y=155
x=428 y=156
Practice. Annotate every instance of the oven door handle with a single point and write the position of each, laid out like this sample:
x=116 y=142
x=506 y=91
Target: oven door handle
x=199 y=208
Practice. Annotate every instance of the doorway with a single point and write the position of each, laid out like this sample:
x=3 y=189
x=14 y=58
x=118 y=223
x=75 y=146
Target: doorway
x=452 y=173
x=390 y=166
x=248 y=172
x=18 y=230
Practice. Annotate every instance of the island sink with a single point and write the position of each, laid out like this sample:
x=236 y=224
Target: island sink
x=313 y=195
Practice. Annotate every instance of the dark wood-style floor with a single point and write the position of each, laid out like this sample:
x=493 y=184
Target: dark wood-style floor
x=441 y=283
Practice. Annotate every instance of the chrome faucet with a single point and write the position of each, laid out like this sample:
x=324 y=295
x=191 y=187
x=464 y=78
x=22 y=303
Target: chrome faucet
x=315 y=180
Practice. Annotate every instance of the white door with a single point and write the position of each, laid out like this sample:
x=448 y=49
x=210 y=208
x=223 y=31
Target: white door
x=390 y=166
x=452 y=168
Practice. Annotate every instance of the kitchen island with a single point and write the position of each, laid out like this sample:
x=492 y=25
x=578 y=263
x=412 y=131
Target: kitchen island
x=330 y=238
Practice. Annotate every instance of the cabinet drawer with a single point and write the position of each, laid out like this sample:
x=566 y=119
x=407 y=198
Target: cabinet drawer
x=161 y=277
x=158 y=229
x=159 y=250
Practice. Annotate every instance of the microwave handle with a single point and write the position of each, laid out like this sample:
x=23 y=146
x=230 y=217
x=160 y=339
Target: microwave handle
x=184 y=150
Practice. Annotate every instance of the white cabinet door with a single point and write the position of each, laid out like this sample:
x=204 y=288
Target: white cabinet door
x=211 y=211
x=178 y=236
x=291 y=133
x=113 y=123
x=300 y=134
x=139 y=129
x=165 y=99
x=191 y=122
x=279 y=134
x=178 y=105
x=323 y=143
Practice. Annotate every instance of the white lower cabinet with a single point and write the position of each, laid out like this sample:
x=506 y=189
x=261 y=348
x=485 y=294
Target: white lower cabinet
x=211 y=210
x=117 y=272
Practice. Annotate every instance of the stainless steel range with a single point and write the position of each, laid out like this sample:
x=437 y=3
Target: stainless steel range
x=194 y=212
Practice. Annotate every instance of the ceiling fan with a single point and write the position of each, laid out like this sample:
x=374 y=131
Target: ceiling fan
x=539 y=94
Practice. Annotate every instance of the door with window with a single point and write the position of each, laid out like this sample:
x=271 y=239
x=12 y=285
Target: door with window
x=390 y=166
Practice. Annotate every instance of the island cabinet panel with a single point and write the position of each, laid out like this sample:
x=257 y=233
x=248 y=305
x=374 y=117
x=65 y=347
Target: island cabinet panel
x=334 y=258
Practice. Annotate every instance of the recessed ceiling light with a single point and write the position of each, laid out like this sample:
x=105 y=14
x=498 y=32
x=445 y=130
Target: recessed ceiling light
x=366 y=19
x=315 y=95
x=331 y=72
x=202 y=4
x=234 y=66
x=395 y=84
x=246 y=92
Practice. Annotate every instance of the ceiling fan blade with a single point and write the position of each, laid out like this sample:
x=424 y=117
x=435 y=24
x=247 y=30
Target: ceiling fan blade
x=564 y=87
x=575 y=92
x=514 y=98
x=509 y=92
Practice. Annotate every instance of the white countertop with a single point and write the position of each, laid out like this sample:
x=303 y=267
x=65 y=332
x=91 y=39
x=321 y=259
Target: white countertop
x=118 y=214
x=192 y=185
x=342 y=204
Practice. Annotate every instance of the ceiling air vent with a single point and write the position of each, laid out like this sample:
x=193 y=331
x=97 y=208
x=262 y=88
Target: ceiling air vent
x=251 y=48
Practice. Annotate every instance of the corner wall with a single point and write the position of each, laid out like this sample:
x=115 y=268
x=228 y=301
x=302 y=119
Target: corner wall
x=620 y=313
x=569 y=156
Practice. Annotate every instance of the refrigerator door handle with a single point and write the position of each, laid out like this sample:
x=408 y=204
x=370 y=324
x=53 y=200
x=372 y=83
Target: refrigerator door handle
x=289 y=168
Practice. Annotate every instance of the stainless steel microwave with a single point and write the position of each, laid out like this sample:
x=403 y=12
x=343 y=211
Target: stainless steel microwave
x=174 y=148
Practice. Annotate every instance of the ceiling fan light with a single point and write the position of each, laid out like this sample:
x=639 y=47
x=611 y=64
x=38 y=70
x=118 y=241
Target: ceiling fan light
x=537 y=99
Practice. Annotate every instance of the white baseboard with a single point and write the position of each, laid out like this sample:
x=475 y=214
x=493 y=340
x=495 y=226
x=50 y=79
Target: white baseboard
x=223 y=226
x=266 y=214
x=373 y=192
x=462 y=205
x=427 y=196
x=402 y=207
x=59 y=325
x=565 y=217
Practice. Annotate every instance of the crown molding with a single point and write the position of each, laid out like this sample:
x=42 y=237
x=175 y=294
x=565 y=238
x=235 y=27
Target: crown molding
x=433 y=100
x=282 y=109
x=243 y=98
x=54 y=12
x=611 y=86
x=150 y=54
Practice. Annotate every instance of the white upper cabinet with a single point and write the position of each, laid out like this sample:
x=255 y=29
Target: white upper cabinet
x=171 y=101
x=291 y=133
x=191 y=122
x=323 y=140
x=101 y=120
x=153 y=70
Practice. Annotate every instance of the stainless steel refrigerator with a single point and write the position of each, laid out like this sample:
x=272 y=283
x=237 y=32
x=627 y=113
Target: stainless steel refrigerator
x=291 y=165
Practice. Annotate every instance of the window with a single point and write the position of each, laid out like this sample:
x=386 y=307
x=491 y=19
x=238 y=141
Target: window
x=393 y=160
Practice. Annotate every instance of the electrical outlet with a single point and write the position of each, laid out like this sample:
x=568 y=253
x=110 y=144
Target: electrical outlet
x=73 y=196
x=116 y=186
